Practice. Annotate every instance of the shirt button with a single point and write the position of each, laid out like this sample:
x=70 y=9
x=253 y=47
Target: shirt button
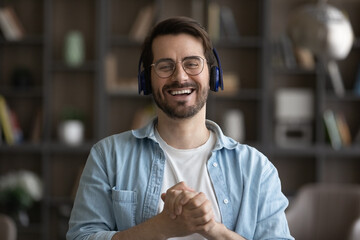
x=215 y=164
x=226 y=201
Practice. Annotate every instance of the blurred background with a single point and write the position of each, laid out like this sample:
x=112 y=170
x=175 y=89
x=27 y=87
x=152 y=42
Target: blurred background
x=68 y=77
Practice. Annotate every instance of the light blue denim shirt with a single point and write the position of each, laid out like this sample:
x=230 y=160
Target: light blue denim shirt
x=121 y=186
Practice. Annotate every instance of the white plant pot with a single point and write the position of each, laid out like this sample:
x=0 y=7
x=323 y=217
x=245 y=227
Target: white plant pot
x=71 y=132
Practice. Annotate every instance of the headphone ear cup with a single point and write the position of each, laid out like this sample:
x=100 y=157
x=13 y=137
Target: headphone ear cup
x=141 y=82
x=214 y=78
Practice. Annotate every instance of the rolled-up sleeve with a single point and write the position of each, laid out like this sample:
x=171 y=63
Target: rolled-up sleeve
x=92 y=216
x=271 y=218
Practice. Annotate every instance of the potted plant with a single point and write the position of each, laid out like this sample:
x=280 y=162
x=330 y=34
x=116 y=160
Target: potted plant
x=18 y=192
x=71 y=128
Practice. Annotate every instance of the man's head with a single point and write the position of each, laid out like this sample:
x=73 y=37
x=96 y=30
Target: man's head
x=183 y=48
x=174 y=26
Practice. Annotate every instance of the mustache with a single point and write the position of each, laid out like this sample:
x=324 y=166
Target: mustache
x=180 y=85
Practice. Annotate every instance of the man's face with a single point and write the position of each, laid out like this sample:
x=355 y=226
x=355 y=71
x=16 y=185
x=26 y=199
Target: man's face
x=180 y=95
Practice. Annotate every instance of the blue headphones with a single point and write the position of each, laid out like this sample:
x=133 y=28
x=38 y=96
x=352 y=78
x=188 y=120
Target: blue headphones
x=216 y=77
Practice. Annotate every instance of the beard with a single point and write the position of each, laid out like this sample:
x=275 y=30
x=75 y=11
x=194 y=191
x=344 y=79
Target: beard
x=181 y=111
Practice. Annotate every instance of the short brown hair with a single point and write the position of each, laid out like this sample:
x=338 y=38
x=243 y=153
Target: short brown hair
x=174 y=26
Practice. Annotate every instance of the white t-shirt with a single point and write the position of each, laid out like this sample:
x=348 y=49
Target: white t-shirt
x=189 y=165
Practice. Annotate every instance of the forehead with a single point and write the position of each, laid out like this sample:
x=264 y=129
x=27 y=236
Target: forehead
x=177 y=46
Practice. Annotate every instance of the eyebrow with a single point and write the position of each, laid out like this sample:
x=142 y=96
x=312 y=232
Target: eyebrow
x=170 y=59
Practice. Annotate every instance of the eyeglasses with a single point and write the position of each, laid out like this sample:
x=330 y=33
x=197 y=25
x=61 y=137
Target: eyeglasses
x=192 y=65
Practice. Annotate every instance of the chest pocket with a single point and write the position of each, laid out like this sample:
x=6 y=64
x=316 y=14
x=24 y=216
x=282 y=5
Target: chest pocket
x=124 y=204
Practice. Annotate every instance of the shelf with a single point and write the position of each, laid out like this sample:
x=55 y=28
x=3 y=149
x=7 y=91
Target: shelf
x=241 y=95
x=86 y=67
x=53 y=147
x=242 y=42
x=349 y=96
x=131 y=93
x=30 y=40
x=315 y=151
x=22 y=148
x=293 y=71
x=57 y=147
x=123 y=41
x=21 y=93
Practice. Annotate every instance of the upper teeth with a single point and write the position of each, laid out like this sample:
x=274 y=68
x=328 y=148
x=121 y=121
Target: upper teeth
x=185 y=91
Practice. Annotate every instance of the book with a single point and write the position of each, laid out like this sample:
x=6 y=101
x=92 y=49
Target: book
x=15 y=126
x=5 y=122
x=343 y=128
x=357 y=137
x=111 y=75
x=336 y=78
x=288 y=51
x=10 y=24
x=228 y=23
x=142 y=24
x=332 y=129
x=214 y=21
x=37 y=127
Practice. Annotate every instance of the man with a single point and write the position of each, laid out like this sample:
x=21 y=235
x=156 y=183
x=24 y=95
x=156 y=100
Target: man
x=178 y=177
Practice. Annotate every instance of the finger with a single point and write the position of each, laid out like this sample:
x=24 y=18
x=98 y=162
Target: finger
x=183 y=198
x=196 y=201
x=203 y=210
x=170 y=201
x=182 y=186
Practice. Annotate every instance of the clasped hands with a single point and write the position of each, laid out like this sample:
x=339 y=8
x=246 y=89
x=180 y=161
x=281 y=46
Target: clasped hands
x=187 y=212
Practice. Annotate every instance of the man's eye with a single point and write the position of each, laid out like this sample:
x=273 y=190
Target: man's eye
x=192 y=64
x=165 y=67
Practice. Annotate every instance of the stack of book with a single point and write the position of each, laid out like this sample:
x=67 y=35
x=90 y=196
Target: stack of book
x=338 y=129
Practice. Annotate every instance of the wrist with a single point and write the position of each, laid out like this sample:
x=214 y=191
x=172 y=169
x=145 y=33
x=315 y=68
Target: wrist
x=216 y=232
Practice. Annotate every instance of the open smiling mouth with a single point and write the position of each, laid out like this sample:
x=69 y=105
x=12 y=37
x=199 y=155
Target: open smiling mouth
x=181 y=92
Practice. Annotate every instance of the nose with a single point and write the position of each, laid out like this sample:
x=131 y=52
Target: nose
x=179 y=73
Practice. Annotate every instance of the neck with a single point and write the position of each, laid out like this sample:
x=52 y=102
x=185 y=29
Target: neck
x=183 y=133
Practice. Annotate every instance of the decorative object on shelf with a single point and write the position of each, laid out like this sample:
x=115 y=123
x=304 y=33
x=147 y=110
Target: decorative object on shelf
x=10 y=24
x=327 y=32
x=74 y=49
x=21 y=78
x=232 y=83
x=294 y=114
x=71 y=128
x=142 y=23
x=234 y=124
x=18 y=192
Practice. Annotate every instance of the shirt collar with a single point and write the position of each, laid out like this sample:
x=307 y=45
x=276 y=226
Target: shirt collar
x=148 y=131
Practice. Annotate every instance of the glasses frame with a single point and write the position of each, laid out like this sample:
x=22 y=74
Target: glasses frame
x=182 y=64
